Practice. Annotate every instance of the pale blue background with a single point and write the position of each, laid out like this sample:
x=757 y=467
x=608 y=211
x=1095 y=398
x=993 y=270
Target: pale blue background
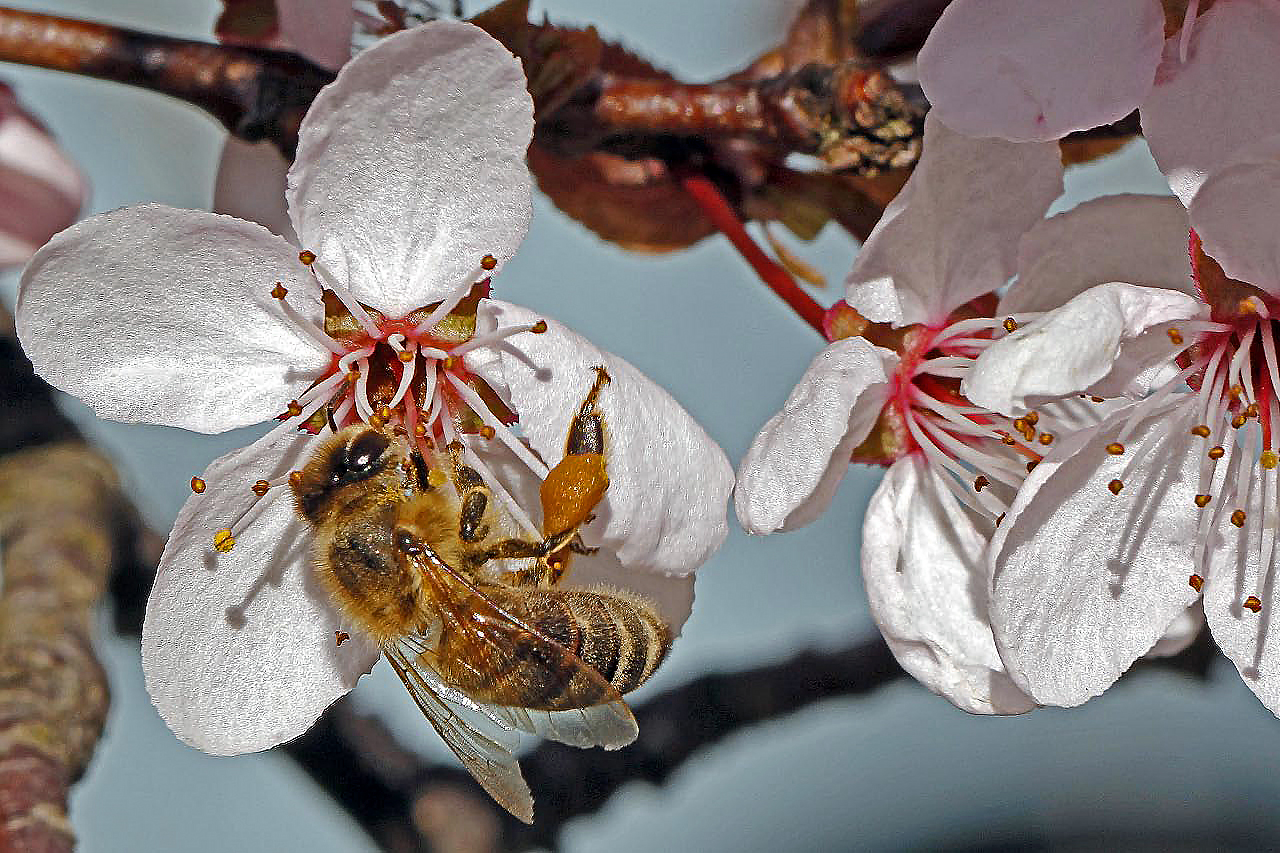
x=901 y=769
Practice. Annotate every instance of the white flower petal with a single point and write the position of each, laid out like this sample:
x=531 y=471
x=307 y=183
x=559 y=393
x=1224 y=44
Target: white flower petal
x=669 y=482
x=1085 y=581
x=41 y=190
x=410 y=166
x=1066 y=351
x=1250 y=640
x=1139 y=239
x=156 y=315
x=1202 y=111
x=238 y=649
x=250 y=185
x=796 y=462
x=1035 y=70
x=952 y=233
x=1234 y=214
x=1180 y=633
x=318 y=29
x=923 y=562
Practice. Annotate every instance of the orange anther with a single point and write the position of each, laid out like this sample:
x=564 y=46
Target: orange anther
x=420 y=429
x=384 y=412
x=295 y=479
x=1010 y=324
x=307 y=257
x=1234 y=392
x=1115 y=486
x=488 y=262
x=1201 y=430
x=980 y=483
x=279 y=291
x=1202 y=501
x=1216 y=452
x=1175 y=336
x=1197 y=582
x=1115 y=448
x=294 y=408
x=450 y=363
x=1268 y=459
x=341 y=637
x=352 y=376
x=1021 y=425
x=1253 y=603
x=539 y=327
x=1046 y=438
x=405 y=355
x=223 y=540
x=197 y=485
x=1238 y=421
x=1238 y=517
x=1251 y=410
x=1033 y=418
x=1096 y=399
x=487 y=431
x=261 y=487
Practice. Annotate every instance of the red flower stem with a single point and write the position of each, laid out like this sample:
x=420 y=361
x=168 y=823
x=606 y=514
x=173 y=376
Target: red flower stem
x=722 y=215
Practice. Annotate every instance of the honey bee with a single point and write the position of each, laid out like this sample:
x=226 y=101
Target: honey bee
x=404 y=546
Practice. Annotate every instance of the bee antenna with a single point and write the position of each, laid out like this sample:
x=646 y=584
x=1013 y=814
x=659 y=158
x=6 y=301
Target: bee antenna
x=328 y=412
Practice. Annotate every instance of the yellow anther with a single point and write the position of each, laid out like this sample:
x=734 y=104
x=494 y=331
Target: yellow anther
x=223 y=540
x=1201 y=430
x=384 y=412
x=1033 y=418
x=353 y=376
x=307 y=257
x=377 y=421
x=487 y=432
x=1021 y=425
x=1175 y=336
x=1248 y=305
x=405 y=355
x=539 y=327
x=294 y=408
x=1251 y=410
x=1238 y=517
x=1238 y=421
x=198 y=485
x=261 y=487
x=1046 y=438
x=420 y=429
x=1010 y=324
x=1202 y=501
x=1197 y=582
x=1115 y=448
x=1115 y=486
x=488 y=262
x=450 y=363
x=279 y=291
x=295 y=479
x=1216 y=452
x=1234 y=392
x=1253 y=603
x=1268 y=459
x=980 y=483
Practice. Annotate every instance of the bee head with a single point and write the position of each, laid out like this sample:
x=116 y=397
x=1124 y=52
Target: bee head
x=352 y=456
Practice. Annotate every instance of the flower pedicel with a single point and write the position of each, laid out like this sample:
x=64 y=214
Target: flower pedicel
x=409 y=188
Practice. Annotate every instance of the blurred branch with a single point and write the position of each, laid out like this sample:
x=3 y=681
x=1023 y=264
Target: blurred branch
x=63 y=526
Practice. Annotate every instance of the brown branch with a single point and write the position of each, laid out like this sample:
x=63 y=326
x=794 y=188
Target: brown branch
x=255 y=94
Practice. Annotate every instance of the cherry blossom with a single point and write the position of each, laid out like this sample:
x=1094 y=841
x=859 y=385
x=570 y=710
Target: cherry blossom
x=1040 y=69
x=409 y=190
x=41 y=190
x=1171 y=501
x=921 y=306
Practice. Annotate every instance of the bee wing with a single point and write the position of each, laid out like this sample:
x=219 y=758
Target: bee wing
x=508 y=644
x=487 y=756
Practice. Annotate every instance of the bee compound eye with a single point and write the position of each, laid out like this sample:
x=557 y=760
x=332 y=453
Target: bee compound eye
x=406 y=542
x=365 y=452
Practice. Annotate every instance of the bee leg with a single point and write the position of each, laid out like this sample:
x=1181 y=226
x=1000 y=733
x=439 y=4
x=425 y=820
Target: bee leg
x=474 y=496
x=576 y=484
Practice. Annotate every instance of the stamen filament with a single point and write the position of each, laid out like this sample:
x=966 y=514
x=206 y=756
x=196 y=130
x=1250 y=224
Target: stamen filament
x=406 y=376
x=448 y=304
x=493 y=337
x=500 y=429
x=1188 y=24
x=363 y=407
x=326 y=279
x=310 y=329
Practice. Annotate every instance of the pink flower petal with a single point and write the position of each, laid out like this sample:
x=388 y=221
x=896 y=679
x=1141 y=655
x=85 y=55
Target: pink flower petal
x=796 y=462
x=1086 y=581
x=1066 y=351
x=1202 y=111
x=952 y=232
x=1139 y=239
x=669 y=482
x=155 y=315
x=1235 y=214
x=1035 y=70
x=238 y=648
x=923 y=562
x=41 y=190
x=410 y=166
x=250 y=185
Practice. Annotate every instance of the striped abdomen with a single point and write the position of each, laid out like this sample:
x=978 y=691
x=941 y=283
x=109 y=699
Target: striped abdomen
x=618 y=635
